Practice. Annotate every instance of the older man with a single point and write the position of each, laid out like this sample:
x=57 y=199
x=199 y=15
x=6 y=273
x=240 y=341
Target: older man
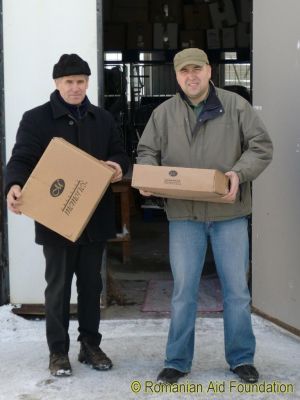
x=70 y=115
x=206 y=127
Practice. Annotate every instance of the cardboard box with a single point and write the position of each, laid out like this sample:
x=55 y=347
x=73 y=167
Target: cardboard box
x=222 y=14
x=244 y=10
x=139 y=36
x=243 y=35
x=165 y=36
x=130 y=11
x=213 y=39
x=181 y=183
x=65 y=188
x=166 y=11
x=196 y=16
x=193 y=38
x=107 y=10
x=228 y=38
x=114 y=36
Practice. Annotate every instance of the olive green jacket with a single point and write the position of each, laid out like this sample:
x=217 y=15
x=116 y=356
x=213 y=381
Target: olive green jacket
x=228 y=136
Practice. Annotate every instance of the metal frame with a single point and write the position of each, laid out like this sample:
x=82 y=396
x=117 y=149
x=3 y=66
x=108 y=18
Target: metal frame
x=4 y=271
x=100 y=52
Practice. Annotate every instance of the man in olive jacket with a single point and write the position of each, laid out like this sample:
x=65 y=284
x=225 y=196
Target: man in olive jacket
x=207 y=127
x=70 y=115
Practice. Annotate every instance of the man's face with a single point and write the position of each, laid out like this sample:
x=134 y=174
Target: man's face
x=194 y=81
x=72 y=88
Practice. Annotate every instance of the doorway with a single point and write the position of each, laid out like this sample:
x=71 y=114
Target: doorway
x=4 y=280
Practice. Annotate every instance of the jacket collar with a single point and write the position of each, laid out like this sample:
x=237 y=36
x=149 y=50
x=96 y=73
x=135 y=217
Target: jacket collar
x=212 y=107
x=61 y=108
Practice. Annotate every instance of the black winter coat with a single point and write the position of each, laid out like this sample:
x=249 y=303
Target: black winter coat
x=96 y=133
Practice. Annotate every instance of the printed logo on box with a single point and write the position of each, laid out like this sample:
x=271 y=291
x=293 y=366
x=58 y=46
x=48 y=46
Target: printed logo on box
x=57 y=187
x=74 y=197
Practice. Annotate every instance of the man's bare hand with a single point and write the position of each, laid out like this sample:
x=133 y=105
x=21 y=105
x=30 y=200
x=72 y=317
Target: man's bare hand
x=118 y=175
x=14 y=199
x=145 y=193
x=234 y=186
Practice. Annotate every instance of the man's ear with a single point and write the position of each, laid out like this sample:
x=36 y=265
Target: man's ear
x=209 y=68
x=56 y=82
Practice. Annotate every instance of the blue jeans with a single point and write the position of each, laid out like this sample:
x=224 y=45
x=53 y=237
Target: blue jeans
x=230 y=245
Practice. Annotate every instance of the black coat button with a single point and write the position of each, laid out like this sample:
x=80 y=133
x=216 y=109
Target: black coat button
x=71 y=122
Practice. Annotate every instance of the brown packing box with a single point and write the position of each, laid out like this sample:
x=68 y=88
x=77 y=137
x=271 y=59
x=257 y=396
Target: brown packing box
x=181 y=183
x=192 y=38
x=243 y=34
x=196 y=16
x=107 y=10
x=139 y=36
x=165 y=11
x=228 y=38
x=244 y=10
x=114 y=36
x=213 y=39
x=222 y=14
x=64 y=188
x=165 y=36
x=130 y=10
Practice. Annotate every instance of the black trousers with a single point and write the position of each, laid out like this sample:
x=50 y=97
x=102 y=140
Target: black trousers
x=61 y=264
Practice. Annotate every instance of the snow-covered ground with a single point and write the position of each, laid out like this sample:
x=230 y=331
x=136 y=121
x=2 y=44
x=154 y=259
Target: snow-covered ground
x=137 y=350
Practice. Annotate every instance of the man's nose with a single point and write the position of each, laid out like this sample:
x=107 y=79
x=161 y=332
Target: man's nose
x=191 y=74
x=75 y=87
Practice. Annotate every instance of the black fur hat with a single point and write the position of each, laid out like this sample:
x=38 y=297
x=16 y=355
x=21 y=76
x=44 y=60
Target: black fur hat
x=70 y=64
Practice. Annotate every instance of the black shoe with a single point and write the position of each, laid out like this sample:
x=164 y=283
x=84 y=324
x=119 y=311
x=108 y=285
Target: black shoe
x=59 y=365
x=94 y=357
x=170 y=375
x=248 y=373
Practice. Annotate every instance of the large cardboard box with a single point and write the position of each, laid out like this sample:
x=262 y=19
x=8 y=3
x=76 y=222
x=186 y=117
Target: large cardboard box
x=139 y=36
x=181 y=183
x=243 y=35
x=165 y=11
x=165 y=36
x=192 y=38
x=228 y=38
x=197 y=16
x=222 y=14
x=244 y=10
x=114 y=36
x=213 y=39
x=107 y=10
x=130 y=11
x=64 y=188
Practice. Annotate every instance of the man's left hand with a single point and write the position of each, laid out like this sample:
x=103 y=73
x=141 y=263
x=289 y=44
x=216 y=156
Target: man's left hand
x=118 y=175
x=233 y=187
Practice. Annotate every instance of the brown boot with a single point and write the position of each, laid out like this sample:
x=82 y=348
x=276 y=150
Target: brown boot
x=93 y=356
x=59 y=365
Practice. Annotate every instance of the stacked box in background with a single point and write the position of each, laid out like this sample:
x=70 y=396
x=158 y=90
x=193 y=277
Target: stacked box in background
x=165 y=11
x=139 y=35
x=125 y=11
x=176 y=24
x=130 y=25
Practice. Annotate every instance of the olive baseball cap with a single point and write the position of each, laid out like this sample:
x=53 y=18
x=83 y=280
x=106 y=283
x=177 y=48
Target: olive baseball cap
x=190 y=56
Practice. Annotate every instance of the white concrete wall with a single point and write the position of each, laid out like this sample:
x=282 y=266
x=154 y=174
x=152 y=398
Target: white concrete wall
x=36 y=34
x=276 y=194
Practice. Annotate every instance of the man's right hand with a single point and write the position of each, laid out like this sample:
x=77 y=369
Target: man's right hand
x=145 y=193
x=14 y=199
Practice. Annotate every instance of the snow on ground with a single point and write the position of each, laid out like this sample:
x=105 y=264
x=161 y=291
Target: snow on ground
x=137 y=350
